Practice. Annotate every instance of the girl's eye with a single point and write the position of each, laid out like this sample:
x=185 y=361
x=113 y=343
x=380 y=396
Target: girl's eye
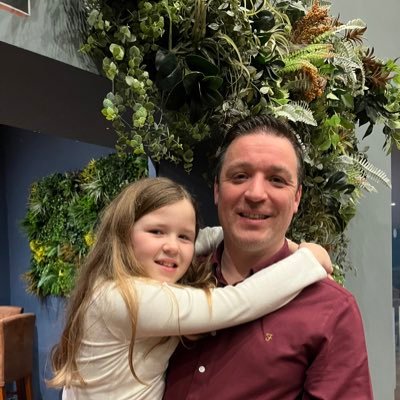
x=155 y=231
x=186 y=238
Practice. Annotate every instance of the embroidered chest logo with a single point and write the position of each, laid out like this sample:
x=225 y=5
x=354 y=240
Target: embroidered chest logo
x=268 y=336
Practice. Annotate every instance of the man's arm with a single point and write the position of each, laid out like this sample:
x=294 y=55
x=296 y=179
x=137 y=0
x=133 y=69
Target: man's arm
x=340 y=369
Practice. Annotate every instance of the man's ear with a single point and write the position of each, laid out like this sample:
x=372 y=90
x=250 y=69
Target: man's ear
x=297 y=198
x=216 y=191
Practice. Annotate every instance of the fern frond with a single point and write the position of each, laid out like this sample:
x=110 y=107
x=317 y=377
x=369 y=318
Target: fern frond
x=365 y=167
x=350 y=67
x=351 y=25
x=297 y=65
x=323 y=37
x=300 y=83
x=348 y=59
x=355 y=24
x=306 y=57
x=365 y=185
x=347 y=64
x=311 y=49
x=296 y=112
x=345 y=49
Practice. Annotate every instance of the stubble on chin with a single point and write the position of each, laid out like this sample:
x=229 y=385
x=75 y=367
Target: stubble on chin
x=247 y=243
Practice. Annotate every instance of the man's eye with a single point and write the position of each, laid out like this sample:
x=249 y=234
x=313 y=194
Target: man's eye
x=239 y=177
x=277 y=180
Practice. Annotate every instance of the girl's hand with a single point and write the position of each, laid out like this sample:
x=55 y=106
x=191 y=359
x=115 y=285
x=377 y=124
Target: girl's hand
x=318 y=251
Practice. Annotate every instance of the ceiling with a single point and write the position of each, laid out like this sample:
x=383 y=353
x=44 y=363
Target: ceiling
x=45 y=95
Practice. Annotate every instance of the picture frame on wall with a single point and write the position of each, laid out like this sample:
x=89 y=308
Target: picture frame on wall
x=18 y=7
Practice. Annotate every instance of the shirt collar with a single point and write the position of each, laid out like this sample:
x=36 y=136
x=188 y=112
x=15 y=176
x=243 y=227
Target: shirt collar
x=282 y=253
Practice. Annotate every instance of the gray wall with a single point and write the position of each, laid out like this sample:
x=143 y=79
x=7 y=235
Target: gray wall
x=27 y=157
x=396 y=218
x=396 y=190
x=53 y=30
x=370 y=231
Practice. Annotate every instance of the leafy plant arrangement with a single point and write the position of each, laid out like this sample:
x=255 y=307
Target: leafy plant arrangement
x=62 y=212
x=183 y=71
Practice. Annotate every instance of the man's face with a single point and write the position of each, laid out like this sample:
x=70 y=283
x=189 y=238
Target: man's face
x=257 y=193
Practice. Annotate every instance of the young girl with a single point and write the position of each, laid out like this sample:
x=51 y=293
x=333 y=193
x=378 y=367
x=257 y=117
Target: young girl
x=126 y=313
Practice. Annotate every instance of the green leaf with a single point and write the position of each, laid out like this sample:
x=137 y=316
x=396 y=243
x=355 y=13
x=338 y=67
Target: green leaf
x=176 y=98
x=188 y=156
x=331 y=96
x=348 y=100
x=214 y=26
x=212 y=98
x=335 y=139
x=191 y=83
x=171 y=80
x=109 y=68
x=165 y=62
x=325 y=144
x=212 y=82
x=117 y=51
x=264 y=22
x=333 y=121
x=198 y=63
x=129 y=81
x=92 y=18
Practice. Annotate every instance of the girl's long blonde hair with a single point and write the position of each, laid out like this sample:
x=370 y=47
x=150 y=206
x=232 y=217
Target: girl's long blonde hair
x=112 y=259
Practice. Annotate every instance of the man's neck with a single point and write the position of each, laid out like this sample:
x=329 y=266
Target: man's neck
x=236 y=265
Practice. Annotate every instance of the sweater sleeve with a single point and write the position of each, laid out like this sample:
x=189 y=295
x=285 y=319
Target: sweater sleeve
x=168 y=310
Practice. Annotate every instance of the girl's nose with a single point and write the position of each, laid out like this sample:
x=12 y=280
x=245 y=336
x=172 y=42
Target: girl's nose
x=170 y=246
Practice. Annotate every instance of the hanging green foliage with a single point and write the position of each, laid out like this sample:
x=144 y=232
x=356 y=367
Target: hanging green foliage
x=183 y=71
x=62 y=212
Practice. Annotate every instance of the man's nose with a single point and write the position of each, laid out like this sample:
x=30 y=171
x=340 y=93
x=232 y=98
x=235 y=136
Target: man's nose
x=256 y=189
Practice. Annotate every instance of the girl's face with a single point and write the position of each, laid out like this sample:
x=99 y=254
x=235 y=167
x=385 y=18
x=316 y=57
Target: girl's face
x=163 y=241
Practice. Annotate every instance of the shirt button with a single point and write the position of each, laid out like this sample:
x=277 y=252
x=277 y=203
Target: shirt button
x=202 y=369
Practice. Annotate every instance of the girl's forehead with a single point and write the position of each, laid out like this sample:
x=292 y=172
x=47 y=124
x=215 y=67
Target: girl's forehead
x=181 y=209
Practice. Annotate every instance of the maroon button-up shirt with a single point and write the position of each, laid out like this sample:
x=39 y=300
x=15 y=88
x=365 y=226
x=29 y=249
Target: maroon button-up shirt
x=312 y=348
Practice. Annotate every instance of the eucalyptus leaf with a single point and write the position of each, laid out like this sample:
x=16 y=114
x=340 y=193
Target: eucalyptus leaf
x=117 y=51
x=214 y=26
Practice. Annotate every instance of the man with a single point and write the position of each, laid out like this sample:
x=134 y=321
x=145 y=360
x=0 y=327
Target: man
x=314 y=347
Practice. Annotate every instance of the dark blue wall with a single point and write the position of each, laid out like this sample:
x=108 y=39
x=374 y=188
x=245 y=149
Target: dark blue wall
x=4 y=271
x=26 y=157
